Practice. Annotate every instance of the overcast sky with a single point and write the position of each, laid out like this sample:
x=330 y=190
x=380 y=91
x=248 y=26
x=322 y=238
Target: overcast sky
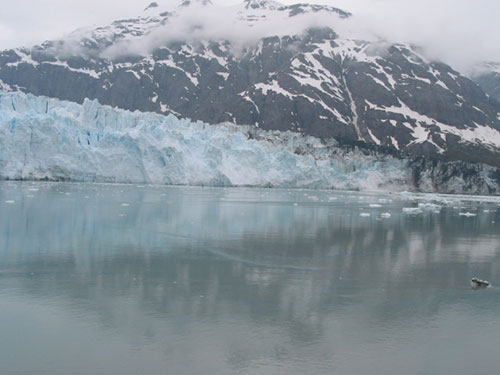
x=459 y=32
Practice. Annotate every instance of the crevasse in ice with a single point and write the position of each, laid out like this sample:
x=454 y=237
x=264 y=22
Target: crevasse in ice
x=42 y=138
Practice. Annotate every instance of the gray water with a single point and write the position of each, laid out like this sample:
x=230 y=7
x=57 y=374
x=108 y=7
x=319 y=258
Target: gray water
x=103 y=279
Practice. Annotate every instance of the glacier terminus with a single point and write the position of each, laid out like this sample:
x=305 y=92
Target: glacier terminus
x=50 y=139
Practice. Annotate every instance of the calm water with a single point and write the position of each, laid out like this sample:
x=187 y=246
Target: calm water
x=101 y=279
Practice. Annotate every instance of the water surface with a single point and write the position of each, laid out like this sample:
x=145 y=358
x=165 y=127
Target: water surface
x=121 y=279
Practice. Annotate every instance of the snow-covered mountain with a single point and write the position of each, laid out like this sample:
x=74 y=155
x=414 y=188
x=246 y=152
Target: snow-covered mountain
x=272 y=66
x=43 y=138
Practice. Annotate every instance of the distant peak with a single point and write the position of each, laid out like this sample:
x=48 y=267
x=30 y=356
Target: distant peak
x=152 y=5
x=262 y=4
x=186 y=3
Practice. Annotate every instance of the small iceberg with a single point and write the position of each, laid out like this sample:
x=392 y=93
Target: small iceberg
x=385 y=215
x=412 y=210
x=476 y=283
x=430 y=206
x=365 y=214
x=467 y=214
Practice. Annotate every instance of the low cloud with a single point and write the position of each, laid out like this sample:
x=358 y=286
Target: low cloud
x=6 y=33
x=458 y=32
x=452 y=31
x=213 y=23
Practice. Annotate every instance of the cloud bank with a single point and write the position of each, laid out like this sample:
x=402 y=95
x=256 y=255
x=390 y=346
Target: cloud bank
x=214 y=23
x=457 y=32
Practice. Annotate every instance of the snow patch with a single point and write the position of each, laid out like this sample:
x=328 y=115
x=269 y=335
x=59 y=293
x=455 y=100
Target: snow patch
x=5 y=87
x=394 y=142
x=136 y=75
x=223 y=75
x=25 y=58
x=64 y=64
x=209 y=54
x=173 y=65
x=375 y=139
x=422 y=133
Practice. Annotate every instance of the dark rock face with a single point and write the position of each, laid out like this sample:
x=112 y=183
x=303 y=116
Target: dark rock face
x=454 y=177
x=314 y=83
x=488 y=78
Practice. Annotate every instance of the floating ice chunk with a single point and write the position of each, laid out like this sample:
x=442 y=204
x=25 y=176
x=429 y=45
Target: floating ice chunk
x=412 y=210
x=10 y=202
x=430 y=206
x=313 y=198
x=365 y=214
x=385 y=215
x=467 y=214
x=375 y=205
x=125 y=204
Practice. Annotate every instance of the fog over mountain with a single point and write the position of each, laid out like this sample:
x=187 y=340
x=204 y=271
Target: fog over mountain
x=455 y=31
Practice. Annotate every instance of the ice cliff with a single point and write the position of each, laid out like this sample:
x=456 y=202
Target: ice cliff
x=42 y=138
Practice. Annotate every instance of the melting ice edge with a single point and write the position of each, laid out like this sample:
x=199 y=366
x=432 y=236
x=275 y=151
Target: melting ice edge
x=49 y=139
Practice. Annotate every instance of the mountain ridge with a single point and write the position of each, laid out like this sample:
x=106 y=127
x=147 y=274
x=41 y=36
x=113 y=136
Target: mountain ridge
x=314 y=82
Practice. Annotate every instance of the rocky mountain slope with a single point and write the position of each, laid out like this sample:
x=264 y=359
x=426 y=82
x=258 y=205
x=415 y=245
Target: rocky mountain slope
x=487 y=76
x=268 y=74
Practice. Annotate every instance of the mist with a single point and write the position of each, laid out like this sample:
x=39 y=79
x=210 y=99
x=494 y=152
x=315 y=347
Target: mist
x=458 y=32
x=215 y=23
x=452 y=31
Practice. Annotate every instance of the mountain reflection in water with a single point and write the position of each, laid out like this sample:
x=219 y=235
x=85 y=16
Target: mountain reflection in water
x=135 y=279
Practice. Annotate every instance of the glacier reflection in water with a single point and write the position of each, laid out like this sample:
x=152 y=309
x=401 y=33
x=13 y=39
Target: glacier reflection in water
x=122 y=279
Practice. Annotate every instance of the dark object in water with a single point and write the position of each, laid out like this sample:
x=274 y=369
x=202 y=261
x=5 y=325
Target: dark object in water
x=478 y=283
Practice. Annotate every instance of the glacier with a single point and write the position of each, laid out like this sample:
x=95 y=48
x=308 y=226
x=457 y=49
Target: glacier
x=50 y=139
